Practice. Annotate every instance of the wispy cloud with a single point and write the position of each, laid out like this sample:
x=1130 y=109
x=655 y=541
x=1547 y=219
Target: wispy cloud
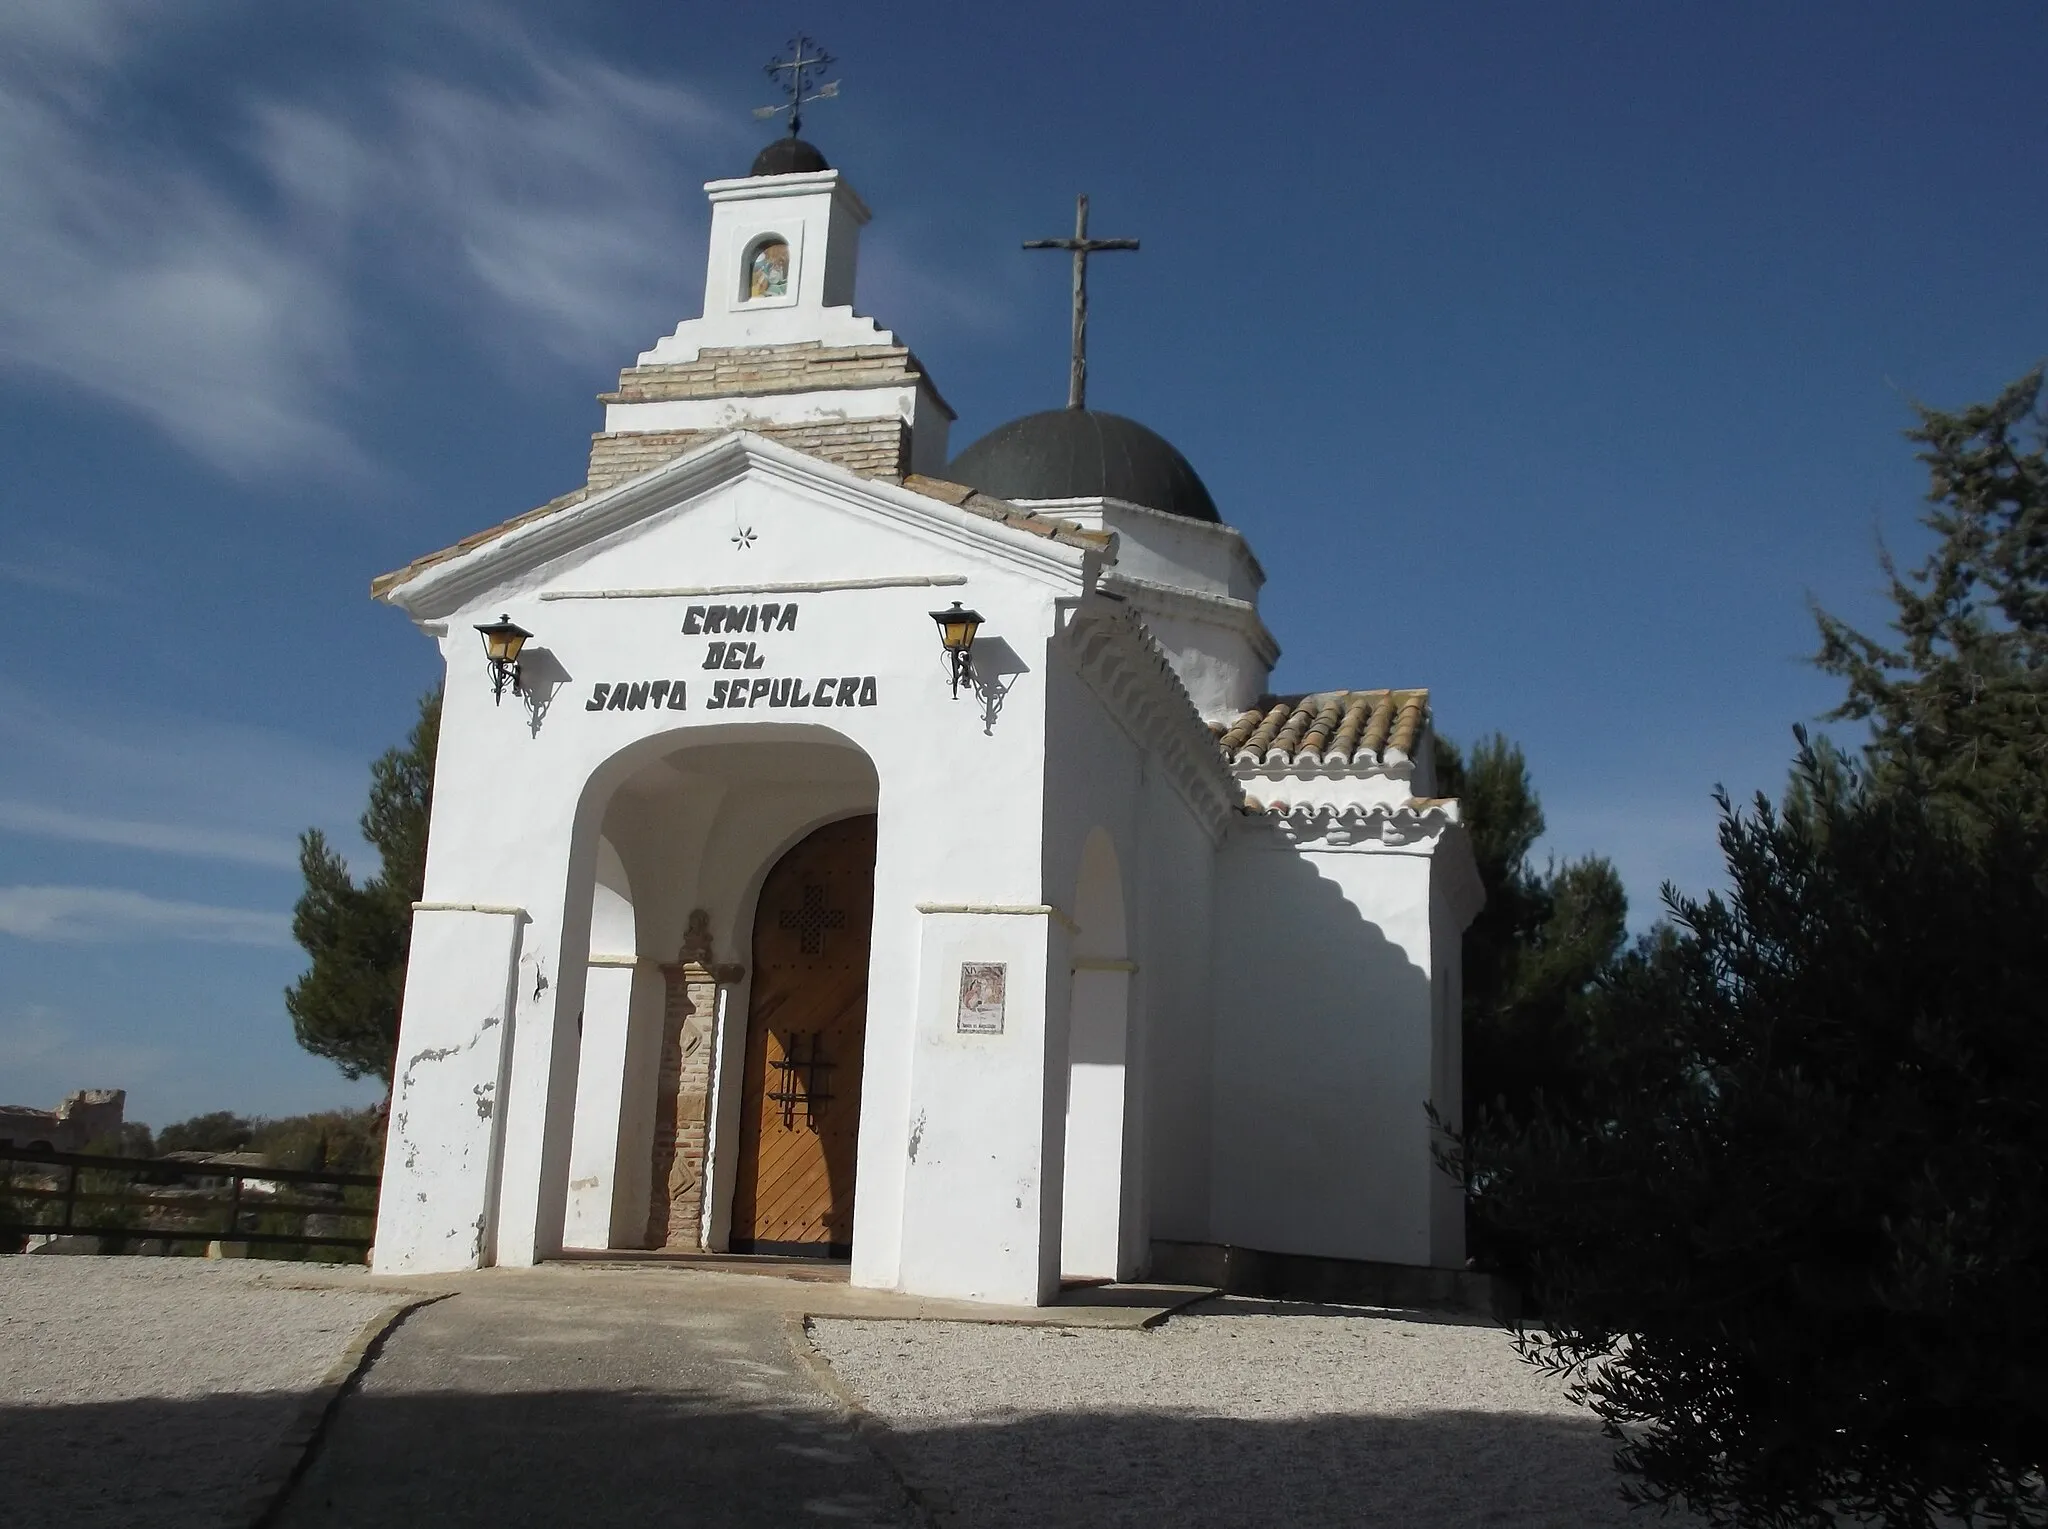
x=103 y=915
x=128 y=833
x=62 y=581
x=214 y=287
x=39 y=1042
x=127 y=274
x=58 y=568
x=555 y=201
x=148 y=780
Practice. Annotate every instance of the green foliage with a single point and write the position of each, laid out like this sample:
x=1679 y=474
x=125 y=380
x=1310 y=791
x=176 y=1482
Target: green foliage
x=220 y=1131
x=1958 y=706
x=346 y=1141
x=1536 y=948
x=341 y=1141
x=18 y=1209
x=1796 y=1260
x=345 y=1007
x=133 y=1139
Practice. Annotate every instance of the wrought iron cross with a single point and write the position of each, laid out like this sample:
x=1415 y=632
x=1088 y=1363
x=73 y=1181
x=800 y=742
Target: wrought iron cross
x=811 y=920
x=798 y=1080
x=1083 y=247
x=799 y=66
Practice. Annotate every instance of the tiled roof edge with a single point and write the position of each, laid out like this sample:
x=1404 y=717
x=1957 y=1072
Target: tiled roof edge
x=1118 y=657
x=975 y=502
x=1324 y=728
x=955 y=494
x=1417 y=809
x=384 y=583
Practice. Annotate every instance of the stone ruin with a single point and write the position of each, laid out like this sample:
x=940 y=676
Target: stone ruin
x=86 y=1115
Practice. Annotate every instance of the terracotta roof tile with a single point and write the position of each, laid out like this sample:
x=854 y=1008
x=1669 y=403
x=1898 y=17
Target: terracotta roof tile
x=419 y=565
x=975 y=502
x=1326 y=727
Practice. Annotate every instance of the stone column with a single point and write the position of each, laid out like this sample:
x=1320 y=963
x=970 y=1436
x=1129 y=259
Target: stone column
x=682 y=1105
x=435 y=1210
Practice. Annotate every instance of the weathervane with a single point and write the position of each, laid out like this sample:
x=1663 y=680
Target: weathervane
x=801 y=67
x=1083 y=247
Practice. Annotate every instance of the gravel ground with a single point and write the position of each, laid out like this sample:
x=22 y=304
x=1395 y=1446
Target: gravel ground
x=1237 y=1413
x=153 y=1390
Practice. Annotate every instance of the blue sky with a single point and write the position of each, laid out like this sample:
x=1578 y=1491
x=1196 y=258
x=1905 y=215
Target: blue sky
x=1551 y=356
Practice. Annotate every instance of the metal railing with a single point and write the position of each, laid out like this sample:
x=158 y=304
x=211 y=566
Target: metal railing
x=91 y=1194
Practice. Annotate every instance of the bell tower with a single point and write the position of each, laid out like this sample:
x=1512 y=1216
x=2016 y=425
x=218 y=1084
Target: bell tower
x=778 y=349
x=785 y=245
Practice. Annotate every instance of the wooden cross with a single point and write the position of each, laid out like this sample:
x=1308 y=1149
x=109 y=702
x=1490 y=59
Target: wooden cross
x=1083 y=247
x=812 y=920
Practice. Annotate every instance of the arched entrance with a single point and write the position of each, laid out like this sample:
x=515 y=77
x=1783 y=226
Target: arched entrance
x=806 y=1021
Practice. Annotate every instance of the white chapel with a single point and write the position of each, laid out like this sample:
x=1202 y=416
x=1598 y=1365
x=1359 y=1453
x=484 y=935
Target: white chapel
x=849 y=848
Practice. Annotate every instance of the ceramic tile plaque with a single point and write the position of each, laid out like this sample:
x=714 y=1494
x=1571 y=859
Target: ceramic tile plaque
x=981 y=997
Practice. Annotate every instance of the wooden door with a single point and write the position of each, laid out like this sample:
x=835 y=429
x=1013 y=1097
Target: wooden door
x=806 y=1020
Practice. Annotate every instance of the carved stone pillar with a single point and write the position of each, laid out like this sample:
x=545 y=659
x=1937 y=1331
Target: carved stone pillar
x=682 y=1106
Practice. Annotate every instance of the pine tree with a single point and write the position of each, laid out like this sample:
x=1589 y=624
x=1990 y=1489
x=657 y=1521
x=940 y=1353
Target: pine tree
x=1958 y=707
x=1791 y=1242
x=1536 y=948
x=345 y=1007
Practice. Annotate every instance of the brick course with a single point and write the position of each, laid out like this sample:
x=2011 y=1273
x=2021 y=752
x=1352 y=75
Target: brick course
x=874 y=448
x=742 y=371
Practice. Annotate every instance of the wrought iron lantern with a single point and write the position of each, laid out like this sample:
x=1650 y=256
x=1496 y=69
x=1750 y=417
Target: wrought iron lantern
x=956 y=634
x=503 y=639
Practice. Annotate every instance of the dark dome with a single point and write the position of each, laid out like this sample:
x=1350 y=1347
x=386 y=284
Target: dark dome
x=788 y=156
x=1080 y=454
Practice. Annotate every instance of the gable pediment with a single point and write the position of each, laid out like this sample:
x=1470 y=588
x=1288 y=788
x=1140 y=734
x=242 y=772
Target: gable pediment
x=747 y=508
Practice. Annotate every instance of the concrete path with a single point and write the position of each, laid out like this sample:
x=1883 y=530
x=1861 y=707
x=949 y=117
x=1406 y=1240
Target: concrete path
x=175 y=1393
x=535 y=1399
x=622 y=1395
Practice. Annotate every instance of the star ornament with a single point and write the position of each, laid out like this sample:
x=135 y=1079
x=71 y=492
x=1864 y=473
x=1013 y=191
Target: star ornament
x=743 y=538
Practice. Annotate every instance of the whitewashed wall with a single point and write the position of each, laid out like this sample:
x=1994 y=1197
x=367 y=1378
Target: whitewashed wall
x=1175 y=923
x=1101 y=778
x=1329 y=1046
x=1197 y=587
x=1094 y=776
x=524 y=790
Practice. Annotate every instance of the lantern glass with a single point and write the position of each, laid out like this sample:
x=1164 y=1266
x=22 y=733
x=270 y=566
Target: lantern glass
x=957 y=627
x=503 y=640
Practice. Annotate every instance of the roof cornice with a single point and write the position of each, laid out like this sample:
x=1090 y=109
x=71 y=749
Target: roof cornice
x=1135 y=681
x=445 y=581
x=1427 y=826
x=756 y=188
x=1218 y=528
x=1226 y=611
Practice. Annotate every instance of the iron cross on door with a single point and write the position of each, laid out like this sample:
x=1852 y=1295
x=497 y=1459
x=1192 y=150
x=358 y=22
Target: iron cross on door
x=811 y=919
x=801 y=1075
